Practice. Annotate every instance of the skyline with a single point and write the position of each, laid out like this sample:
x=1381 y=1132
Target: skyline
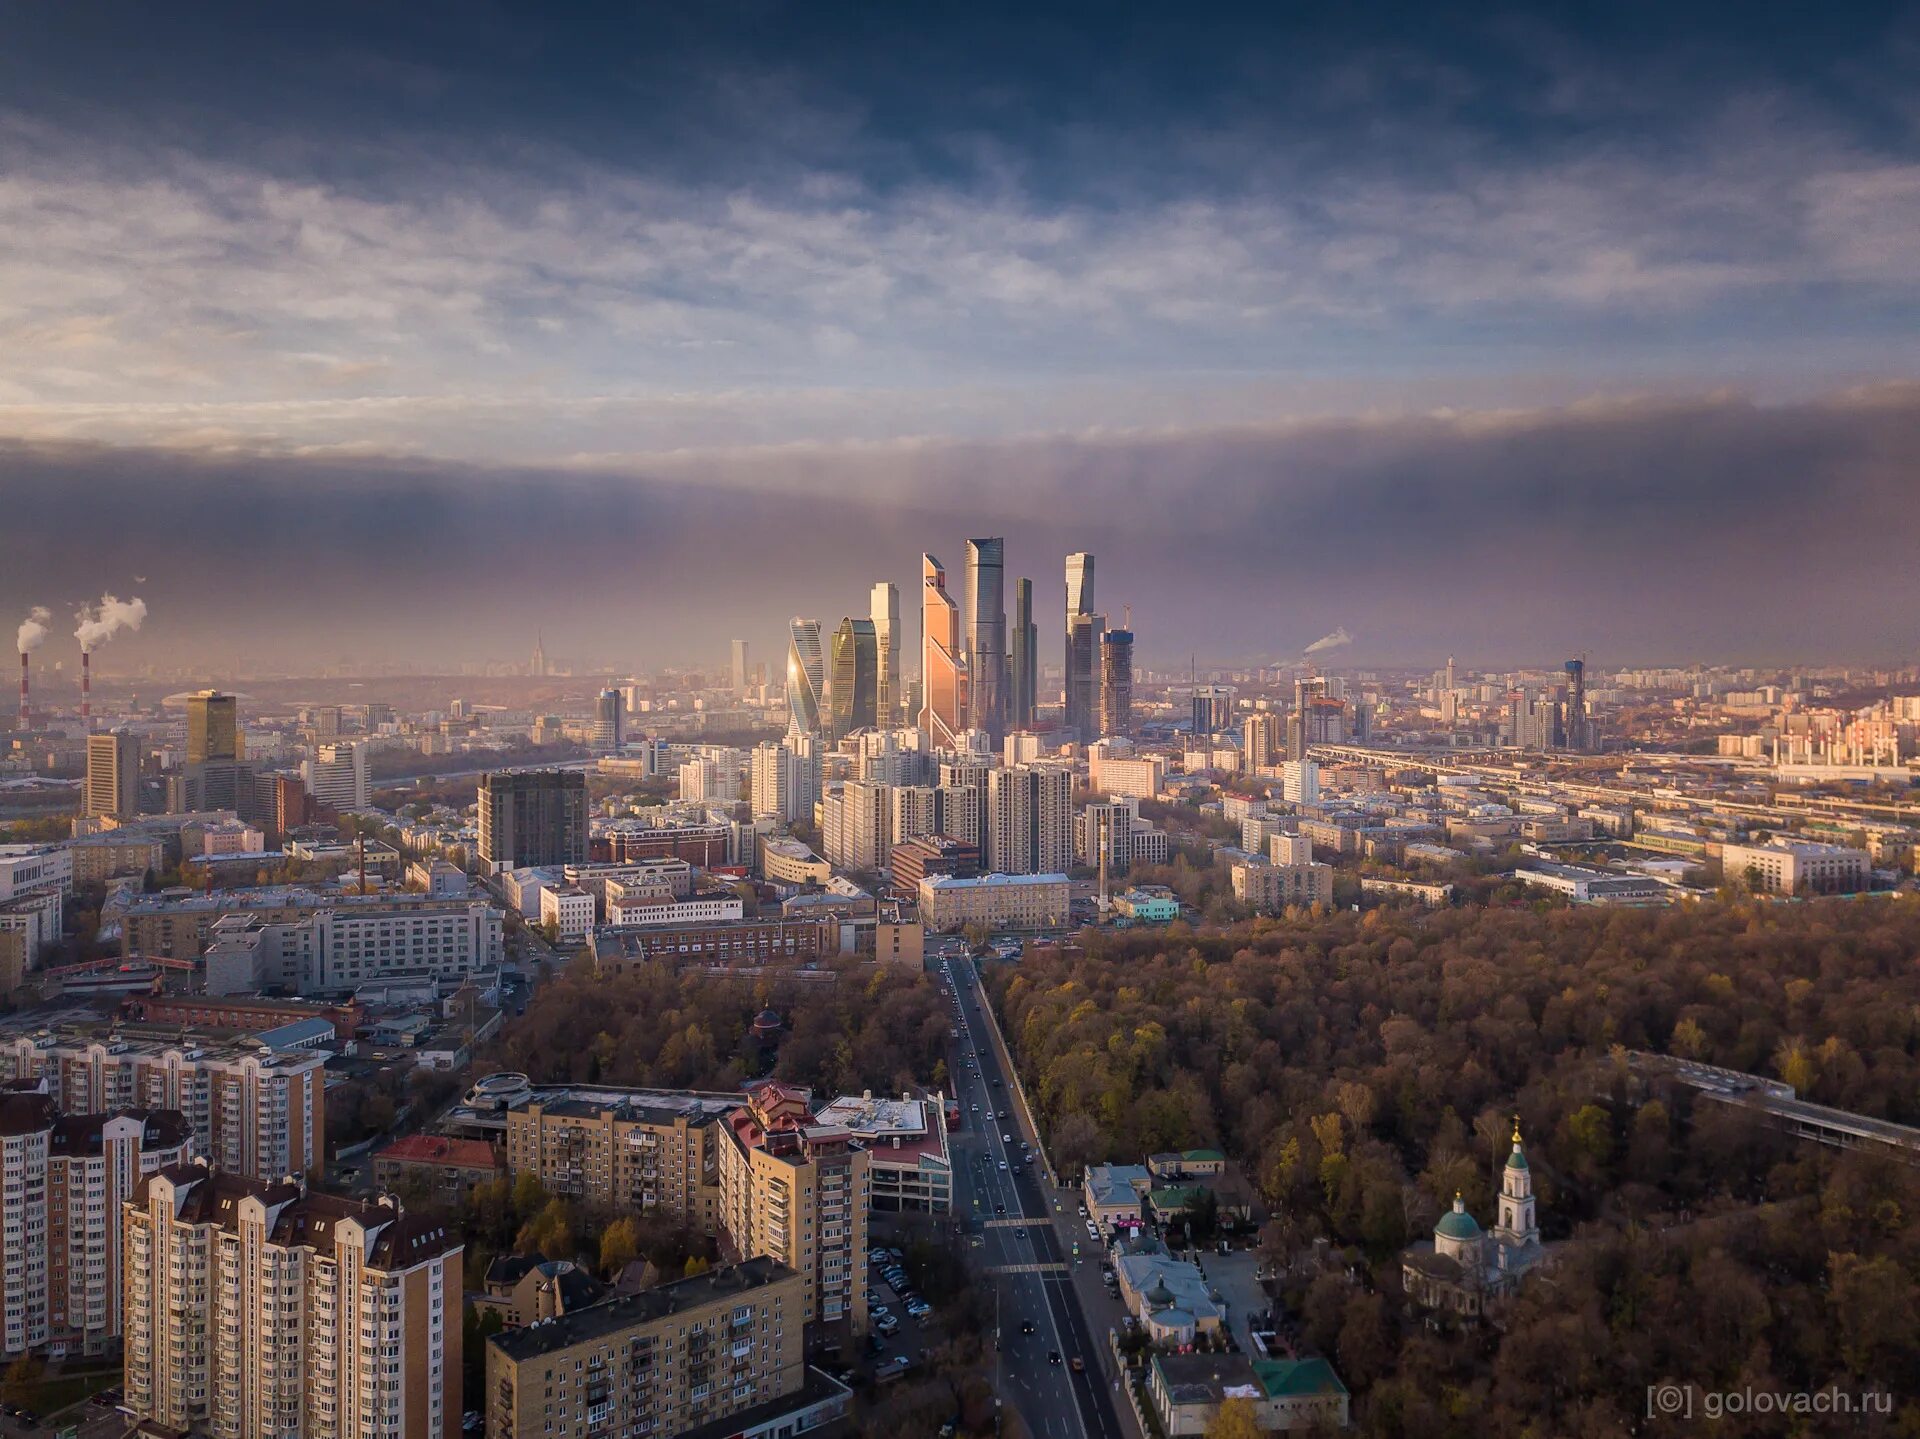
x=1346 y=322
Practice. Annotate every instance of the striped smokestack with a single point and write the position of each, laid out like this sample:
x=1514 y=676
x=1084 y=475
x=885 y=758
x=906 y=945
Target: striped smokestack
x=26 y=708
x=86 y=692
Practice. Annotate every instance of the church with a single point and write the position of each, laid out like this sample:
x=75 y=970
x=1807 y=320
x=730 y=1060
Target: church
x=1463 y=1266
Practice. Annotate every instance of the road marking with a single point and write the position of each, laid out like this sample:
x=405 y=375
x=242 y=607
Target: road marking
x=1026 y=1269
x=1009 y=1223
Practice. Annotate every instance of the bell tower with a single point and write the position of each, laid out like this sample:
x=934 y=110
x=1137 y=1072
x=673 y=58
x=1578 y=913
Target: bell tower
x=1517 y=1227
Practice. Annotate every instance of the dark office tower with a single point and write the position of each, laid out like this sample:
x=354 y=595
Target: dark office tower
x=533 y=817
x=1212 y=709
x=856 y=679
x=1023 y=660
x=987 y=636
x=1306 y=690
x=609 y=722
x=1083 y=647
x=1116 y=683
x=213 y=727
x=1083 y=675
x=739 y=667
x=1578 y=736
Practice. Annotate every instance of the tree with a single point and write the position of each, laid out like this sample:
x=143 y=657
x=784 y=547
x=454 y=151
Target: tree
x=1235 y=1419
x=619 y=1245
x=22 y=1379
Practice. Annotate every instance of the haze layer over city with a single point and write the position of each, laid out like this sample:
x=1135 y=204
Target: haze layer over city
x=756 y=719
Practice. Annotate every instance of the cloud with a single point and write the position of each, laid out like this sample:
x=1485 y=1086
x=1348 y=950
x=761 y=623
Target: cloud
x=266 y=294
x=1650 y=529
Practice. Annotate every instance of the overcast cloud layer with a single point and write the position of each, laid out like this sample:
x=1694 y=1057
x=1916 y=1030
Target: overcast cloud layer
x=1344 y=311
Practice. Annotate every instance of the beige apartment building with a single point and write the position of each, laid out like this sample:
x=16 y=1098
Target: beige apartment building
x=797 y=1190
x=1272 y=887
x=625 y=1149
x=755 y=1170
x=65 y=1178
x=254 y=1111
x=256 y=1309
x=705 y=1351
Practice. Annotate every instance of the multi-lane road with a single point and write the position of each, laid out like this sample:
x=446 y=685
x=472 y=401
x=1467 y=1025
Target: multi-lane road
x=1023 y=1254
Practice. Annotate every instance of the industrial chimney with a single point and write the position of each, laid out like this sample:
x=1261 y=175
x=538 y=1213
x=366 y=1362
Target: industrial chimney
x=26 y=708
x=86 y=692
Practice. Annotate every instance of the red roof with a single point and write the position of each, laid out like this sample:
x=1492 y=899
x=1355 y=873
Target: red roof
x=439 y=1149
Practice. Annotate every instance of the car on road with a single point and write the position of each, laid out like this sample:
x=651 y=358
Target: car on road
x=1003 y=1166
x=888 y=1326
x=1077 y=1364
x=1026 y=1326
x=1020 y=1233
x=1053 y=1357
x=999 y=1209
x=1006 y=1138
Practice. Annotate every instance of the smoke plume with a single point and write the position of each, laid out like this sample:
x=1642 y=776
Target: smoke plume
x=33 y=629
x=98 y=624
x=1330 y=642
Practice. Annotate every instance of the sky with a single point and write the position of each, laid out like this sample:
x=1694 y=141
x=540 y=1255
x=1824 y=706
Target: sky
x=381 y=332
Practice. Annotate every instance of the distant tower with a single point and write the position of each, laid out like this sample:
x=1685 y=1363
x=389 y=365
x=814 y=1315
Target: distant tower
x=806 y=675
x=943 y=668
x=1023 y=671
x=850 y=698
x=739 y=667
x=1083 y=648
x=537 y=667
x=609 y=722
x=1576 y=717
x=884 y=608
x=986 y=599
x=1116 y=683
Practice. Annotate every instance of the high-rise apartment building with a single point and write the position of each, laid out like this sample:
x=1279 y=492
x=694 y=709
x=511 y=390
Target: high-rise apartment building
x=1116 y=683
x=213 y=728
x=852 y=696
x=609 y=722
x=785 y=780
x=797 y=1191
x=60 y=1217
x=885 y=613
x=258 y=1308
x=533 y=817
x=987 y=636
x=336 y=777
x=943 y=667
x=113 y=775
x=806 y=675
x=259 y=1112
x=684 y=1357
x=1023 y=660
x=1029 y=820
x=1261 y=741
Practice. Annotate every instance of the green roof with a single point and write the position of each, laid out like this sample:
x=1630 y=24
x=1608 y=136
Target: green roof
x=1457 y=1224
x=1203 y=1156
x=1516 y=1160
x=1174 y=1197
x=1297 y=1376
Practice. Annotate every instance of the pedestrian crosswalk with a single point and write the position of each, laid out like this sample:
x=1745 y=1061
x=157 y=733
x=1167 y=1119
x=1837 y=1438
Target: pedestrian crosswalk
x=1055 y=1268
